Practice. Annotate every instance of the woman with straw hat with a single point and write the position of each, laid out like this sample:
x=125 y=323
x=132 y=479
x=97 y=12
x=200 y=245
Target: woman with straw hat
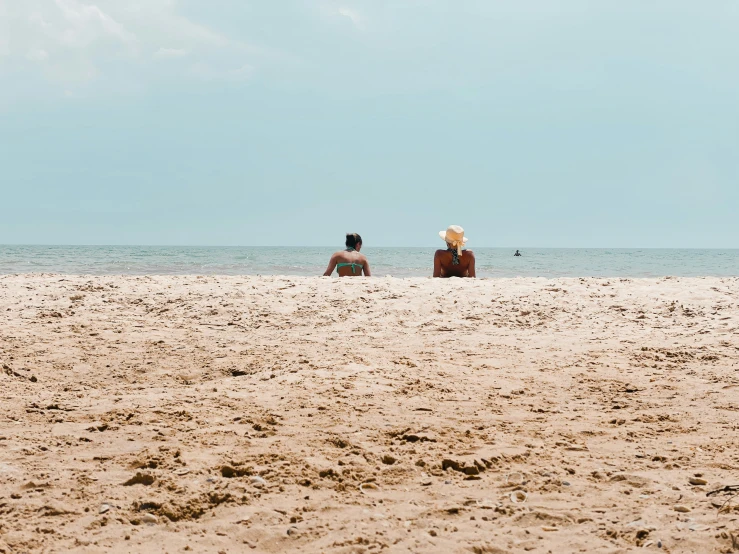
x=454 y=261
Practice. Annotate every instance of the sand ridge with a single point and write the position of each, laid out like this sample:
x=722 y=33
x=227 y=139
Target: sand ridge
x=272 y=414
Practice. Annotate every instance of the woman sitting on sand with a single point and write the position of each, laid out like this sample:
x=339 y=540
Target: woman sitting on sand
x=454 y=262
x=349 y=262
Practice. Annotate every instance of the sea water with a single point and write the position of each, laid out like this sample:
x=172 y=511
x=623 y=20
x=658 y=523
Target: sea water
x=397 y=262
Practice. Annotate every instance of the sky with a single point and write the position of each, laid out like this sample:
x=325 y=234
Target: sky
x=531 y=123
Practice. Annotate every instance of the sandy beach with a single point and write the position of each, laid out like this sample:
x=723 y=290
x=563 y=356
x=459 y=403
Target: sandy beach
x=288 y=414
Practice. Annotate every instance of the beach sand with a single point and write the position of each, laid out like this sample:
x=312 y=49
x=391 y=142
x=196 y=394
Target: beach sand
x=278 y=414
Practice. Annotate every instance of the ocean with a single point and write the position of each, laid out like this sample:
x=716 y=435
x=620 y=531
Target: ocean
x=396 y=262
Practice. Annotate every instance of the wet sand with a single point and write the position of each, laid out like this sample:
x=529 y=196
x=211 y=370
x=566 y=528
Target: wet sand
x=273 y=414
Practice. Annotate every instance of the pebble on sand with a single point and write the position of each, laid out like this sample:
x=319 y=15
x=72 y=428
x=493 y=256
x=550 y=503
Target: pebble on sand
x=257 y=481
x=368 y=488
x=150 y=519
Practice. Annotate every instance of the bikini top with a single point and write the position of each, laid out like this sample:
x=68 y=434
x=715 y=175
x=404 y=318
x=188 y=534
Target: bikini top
x=353 y=265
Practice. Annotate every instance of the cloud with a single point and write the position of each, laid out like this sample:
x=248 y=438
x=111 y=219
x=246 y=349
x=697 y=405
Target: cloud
x=341 y=12
x=85 y=22
x=351 y=15
x=37 y=55
x=80 y=45
x=170 y=53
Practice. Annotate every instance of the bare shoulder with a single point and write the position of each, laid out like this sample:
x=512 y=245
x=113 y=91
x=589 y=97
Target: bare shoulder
x=470 y=253
x=439 y=252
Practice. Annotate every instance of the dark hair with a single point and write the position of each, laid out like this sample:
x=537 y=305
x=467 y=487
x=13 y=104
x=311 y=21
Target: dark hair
x=352 y=240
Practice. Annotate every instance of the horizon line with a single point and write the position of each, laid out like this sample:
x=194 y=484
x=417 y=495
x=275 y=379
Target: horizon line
x=131 y=245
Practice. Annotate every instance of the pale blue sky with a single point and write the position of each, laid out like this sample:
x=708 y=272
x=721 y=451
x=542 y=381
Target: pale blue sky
x=571 y=123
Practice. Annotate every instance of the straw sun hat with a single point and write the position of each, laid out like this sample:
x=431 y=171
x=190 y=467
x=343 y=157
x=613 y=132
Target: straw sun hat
x=454 y=236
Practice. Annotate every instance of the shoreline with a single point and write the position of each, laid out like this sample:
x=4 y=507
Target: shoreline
x=497 y=414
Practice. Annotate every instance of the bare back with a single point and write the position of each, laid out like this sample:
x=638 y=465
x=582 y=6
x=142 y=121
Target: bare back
x=444 y=266
x=348 y=263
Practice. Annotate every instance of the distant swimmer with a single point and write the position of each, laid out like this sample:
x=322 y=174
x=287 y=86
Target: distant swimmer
x=517 y=253
x=454 y=261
